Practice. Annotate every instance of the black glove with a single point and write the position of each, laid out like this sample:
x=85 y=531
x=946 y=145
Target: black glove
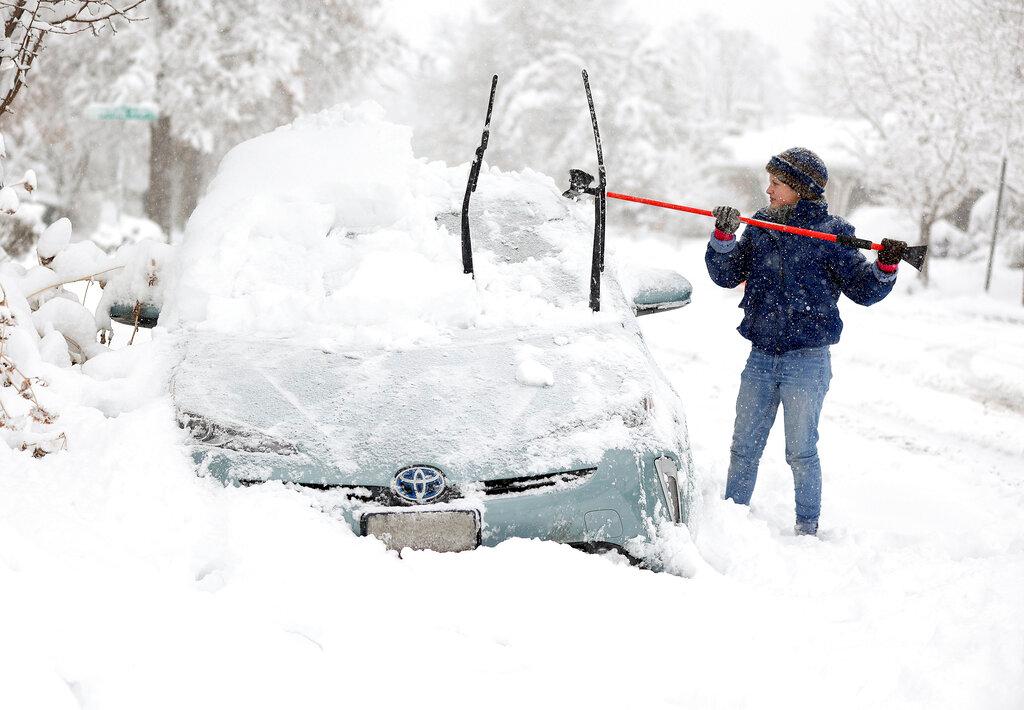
x=892 y=251
x=727 y=219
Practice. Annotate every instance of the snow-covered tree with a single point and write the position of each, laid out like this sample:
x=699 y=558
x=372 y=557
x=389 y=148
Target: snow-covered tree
x=537 y=49
x=28 y=24
x=664 y=96
x=222 y=72
x=219 y=73
x=77 y=157
x=941 y=117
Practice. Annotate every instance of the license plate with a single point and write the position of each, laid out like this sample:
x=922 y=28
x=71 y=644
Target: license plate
x=438 y=530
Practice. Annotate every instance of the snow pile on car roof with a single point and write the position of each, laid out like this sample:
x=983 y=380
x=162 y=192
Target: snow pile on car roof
x=330 y=228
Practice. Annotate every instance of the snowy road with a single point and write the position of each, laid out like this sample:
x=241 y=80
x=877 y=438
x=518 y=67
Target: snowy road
x=127 y=582
x=914 y=595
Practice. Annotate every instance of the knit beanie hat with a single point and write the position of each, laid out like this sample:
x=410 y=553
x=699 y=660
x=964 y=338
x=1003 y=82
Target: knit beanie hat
x=802 y=170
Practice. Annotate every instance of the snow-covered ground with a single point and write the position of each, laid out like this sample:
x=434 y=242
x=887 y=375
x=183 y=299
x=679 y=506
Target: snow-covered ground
x=126 y=581
x=914 y=596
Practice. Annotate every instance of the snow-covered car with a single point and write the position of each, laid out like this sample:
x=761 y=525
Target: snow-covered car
x=331 y=342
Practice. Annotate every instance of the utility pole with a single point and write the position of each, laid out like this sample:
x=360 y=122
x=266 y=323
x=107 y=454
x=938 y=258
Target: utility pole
x=995 y=224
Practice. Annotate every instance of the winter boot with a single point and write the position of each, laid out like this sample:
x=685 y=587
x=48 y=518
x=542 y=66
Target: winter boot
x=806 y=527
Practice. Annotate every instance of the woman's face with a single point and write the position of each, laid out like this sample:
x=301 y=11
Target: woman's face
x=779 y=193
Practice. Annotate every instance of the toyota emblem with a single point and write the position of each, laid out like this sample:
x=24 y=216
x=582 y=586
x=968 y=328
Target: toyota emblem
x=418 y=484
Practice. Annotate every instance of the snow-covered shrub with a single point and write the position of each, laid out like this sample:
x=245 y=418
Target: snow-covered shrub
x=111 y=235
x=43 y=324
x=1010 y=240
x=982 y=211
x=1013 y=248
x=57 y=314
x=945 y=240
x=19 y=232
x=54 y=238
x=25 y=421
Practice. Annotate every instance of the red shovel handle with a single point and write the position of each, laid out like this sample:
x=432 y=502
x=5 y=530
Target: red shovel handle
x=863 y=243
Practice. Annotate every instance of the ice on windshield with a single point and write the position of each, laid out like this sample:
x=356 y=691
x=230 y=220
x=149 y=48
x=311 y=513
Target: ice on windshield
x=515 y=219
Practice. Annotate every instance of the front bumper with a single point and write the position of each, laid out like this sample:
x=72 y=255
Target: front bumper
x=617 y=500
x=620 y=498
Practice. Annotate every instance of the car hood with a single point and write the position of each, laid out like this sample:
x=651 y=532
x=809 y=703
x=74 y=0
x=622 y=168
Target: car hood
x=478 y=407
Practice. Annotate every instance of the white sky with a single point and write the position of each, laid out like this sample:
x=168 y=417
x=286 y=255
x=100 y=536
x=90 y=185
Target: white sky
x=789 y=22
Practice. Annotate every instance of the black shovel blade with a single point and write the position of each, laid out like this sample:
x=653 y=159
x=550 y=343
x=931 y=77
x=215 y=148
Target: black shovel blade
x=915 y=255
x=579 y=184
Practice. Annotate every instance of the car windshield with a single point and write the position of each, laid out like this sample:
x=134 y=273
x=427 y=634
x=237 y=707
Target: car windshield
x=331 y=232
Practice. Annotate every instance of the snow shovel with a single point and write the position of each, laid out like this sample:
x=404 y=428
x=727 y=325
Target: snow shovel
x=580 y=184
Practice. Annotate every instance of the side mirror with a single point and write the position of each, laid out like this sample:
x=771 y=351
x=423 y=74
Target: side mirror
x=125 y=313
x=660 y=290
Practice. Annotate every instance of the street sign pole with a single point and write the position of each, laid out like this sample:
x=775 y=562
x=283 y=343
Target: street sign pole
x=122 y=113
x=995 y=224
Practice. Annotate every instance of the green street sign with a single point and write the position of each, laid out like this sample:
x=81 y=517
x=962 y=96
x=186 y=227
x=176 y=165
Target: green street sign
x=123 y=112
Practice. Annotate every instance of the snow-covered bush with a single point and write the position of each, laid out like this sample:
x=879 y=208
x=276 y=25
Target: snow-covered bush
x=43 y=324
x=1010 y=241
x=1013 y=248
x=112 y=234
x=19 y=232
x=25 y=421
x=945 y=240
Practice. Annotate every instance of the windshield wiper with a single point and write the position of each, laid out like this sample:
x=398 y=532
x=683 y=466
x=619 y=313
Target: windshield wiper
x=580 y=183
x=474 y=174
x=597 y=264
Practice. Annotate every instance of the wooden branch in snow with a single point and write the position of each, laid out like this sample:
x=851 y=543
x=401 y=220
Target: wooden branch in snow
x=72 y=279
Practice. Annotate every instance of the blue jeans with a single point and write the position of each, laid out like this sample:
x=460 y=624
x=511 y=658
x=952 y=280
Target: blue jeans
x=797 y=379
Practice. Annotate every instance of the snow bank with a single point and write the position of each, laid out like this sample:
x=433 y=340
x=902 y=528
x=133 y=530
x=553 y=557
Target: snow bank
x=327 y=229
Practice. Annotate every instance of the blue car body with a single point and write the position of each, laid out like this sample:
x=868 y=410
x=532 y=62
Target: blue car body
x=452 y=444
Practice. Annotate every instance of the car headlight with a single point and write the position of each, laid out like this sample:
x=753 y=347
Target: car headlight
x=668 y=475
x=224 y=436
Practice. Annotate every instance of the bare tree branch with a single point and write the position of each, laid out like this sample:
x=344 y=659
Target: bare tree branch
x=28 y=24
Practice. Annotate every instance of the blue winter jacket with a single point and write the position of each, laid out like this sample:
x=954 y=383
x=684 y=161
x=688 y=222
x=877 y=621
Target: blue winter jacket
x=794 y=282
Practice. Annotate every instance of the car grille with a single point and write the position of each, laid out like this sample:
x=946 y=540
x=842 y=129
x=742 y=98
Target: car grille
x=526 y=484
x=383 y=495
